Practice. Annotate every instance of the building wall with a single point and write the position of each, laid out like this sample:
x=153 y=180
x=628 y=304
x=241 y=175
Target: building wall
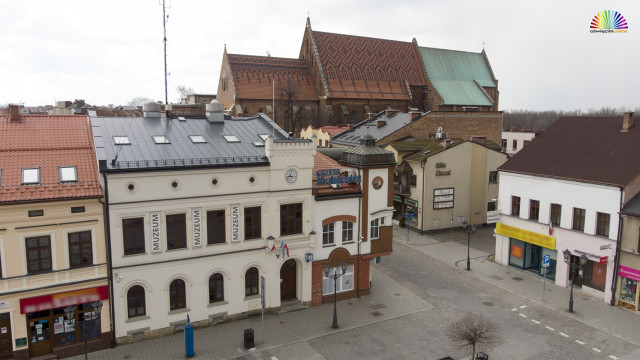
x=518 y=137
x=593 y=198
x=629 y=257
x=462 y=125
x=226 y=97
x=57 y=222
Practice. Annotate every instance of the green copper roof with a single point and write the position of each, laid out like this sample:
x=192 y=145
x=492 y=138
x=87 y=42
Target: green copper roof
x=458 y=76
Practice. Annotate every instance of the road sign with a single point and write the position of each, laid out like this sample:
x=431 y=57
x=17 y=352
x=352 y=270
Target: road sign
x=604 y=259
x=546 y=261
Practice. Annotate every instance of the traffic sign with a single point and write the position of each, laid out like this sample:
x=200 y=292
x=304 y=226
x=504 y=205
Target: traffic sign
x=604 y=259
x=546 y=261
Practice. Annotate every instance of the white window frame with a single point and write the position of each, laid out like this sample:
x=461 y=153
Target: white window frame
x=121 y=140
x=375 y=228
x=37 y=174
x=197 y=139
x=231 y=138
x=328 y=231
x=347 y=231
x=61 y=172
x=160 y=139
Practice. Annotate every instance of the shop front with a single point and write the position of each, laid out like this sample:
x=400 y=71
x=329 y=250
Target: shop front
x=63 y=323
x=628 y=296
x=528 y=249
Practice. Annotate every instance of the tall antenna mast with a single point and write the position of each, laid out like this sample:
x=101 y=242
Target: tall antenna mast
x=164 y=25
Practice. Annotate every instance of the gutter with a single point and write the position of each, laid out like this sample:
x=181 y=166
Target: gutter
x=107 y=233
x=616 y=263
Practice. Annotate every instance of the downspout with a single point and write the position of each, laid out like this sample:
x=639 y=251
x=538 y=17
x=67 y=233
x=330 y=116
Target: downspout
x=109 y=258
x=424 y=179
x=616 y=262
x=359 y=242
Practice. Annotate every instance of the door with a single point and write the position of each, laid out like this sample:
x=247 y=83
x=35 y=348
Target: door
x=536 y=253
x=40 y=340
x=5 y=336
x=288 y=280
x=577 y=273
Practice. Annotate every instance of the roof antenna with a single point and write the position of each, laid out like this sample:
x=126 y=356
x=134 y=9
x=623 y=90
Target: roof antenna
x=273 y=102
x=165 y=17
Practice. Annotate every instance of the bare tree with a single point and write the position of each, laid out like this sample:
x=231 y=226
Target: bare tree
x=473 y=330
x=287 y=93
x=183 y=91
x=139 y=101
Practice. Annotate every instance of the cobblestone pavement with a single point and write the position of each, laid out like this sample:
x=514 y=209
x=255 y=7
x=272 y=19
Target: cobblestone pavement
x=416 y=293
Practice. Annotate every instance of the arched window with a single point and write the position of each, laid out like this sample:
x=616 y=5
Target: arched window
x=251 y=282
x=177 y=296
x=135 y=301
x=216 y=288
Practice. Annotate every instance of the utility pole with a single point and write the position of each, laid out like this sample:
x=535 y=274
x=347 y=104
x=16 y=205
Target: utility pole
x=164 y=25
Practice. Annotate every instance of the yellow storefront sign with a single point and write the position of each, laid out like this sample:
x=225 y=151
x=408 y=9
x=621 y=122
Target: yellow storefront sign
x=527 y=236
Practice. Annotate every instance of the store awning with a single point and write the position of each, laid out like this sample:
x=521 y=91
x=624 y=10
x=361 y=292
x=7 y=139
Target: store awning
x=526 y=236
x=52 y=301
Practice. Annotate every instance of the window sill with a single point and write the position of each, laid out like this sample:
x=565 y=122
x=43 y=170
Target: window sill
x=217 y=303
x=178 y=311
x=218 y=243
x=252 y=297
x=373 y=239
x=135 y=254
x=137 y=318
x=252 y=239
x=178 y=249
x=348 y=242
x=328 y=245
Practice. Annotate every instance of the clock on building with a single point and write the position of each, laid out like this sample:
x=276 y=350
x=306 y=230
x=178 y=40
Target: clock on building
x=291 y=176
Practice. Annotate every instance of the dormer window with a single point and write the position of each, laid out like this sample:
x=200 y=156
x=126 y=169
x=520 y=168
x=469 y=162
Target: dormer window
x=161 y=139
x=264 y=137
x=68 y=174
x=197 y=139
x=121 y=140
x=30 y=176
x=231 y=138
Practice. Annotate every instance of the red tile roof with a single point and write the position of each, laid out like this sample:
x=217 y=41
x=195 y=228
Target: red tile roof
x=47 y=142
x=252 y=76
x=323 y=162
x=582 y=148
x=362 y=67
x=333 y=130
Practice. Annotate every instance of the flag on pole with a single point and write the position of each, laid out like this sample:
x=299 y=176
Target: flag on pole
x=270 y=249
x=287 y=248
x=550 y=227
x=282 y=248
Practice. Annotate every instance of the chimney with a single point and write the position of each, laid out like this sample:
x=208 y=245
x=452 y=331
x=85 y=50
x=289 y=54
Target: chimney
x=14 y=110
x=446 y=143
x=151 y=110
x=215 y=112
x=349 y=127
x=414 y=115
x=371 y=116
x=627 y=122
x=388 y=112
x=380 y=123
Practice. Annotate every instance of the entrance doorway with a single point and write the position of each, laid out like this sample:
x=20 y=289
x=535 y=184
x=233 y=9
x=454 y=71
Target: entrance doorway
x=5 y=336
x=288 y=280
x=576 y=275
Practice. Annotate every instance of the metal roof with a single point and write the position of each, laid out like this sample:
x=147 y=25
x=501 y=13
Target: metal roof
x=458 y=76
x=144 y=153
x=392 y=123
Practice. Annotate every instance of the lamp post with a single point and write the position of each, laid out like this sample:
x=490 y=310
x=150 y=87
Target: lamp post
x=470 y=229
x=335 y=277
x=573 y=267
x=70 y=312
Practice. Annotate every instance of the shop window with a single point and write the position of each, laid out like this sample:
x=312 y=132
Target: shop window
x=177 y=295
x=345 y=282
x=516 y=253
x=38 y=254
x=251 y=282
x=493 y=177
x=578 y=219
x=628 y=290
x=328 y=234
x=215 y=227
x=595 y=275
x=252 y=223
x=347 y=231
x=375 y=228
x=216 y=288
x=602 y=227
x=534 y=209
x=176 y=231
x=133 y=236
x=515 y=205
x=136 y=301
x=290 y=219
x=556 y=211
x=80 y=252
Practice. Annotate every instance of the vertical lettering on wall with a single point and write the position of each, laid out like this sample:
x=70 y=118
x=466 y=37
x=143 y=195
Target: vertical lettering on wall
x=235 y=223
x=155 y=233
x=197 y=221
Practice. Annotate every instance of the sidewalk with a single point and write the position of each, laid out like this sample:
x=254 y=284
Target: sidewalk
x=452 y=250
x=225 y=341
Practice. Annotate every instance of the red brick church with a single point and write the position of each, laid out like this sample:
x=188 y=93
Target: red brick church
x=338 y=79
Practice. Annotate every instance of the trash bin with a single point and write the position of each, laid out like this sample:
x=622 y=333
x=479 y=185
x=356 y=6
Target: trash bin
x=482 y=356
x=188 y=340
x=248 y=339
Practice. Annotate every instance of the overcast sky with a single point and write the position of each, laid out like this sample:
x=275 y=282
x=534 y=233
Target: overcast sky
x=110 y=51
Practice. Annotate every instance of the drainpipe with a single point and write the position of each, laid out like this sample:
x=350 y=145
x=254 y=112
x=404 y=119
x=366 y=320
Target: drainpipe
x=616 y=262
x=109 y=258
x=424 y=179
x=359 y=240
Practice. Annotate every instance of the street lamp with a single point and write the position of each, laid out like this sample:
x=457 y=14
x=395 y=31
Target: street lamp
x=574 y=267
x=70 y=312
x=335 y=277
x=470 y=230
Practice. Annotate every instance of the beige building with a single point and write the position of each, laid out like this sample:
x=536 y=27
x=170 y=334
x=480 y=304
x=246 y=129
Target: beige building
x=629 y=253
x=52 y=248
x=323 y=134
x=446 y=182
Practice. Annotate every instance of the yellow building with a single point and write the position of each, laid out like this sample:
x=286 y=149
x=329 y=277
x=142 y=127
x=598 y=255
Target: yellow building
x=323 y=134
x=53 y=286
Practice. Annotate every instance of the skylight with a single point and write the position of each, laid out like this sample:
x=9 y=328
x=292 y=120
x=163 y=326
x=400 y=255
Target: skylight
x=121 y=140
x=68 y=173
x=182 y=118
x=161 y=139
x=426 y=152
x=263 y=137
x=197 y=139
x=31 y=176
x=231 y=138
x=258 y=144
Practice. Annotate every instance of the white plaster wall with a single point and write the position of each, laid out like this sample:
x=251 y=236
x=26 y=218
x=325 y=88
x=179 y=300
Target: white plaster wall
x=328 y=208
x=378 y=198
x=519 y=136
